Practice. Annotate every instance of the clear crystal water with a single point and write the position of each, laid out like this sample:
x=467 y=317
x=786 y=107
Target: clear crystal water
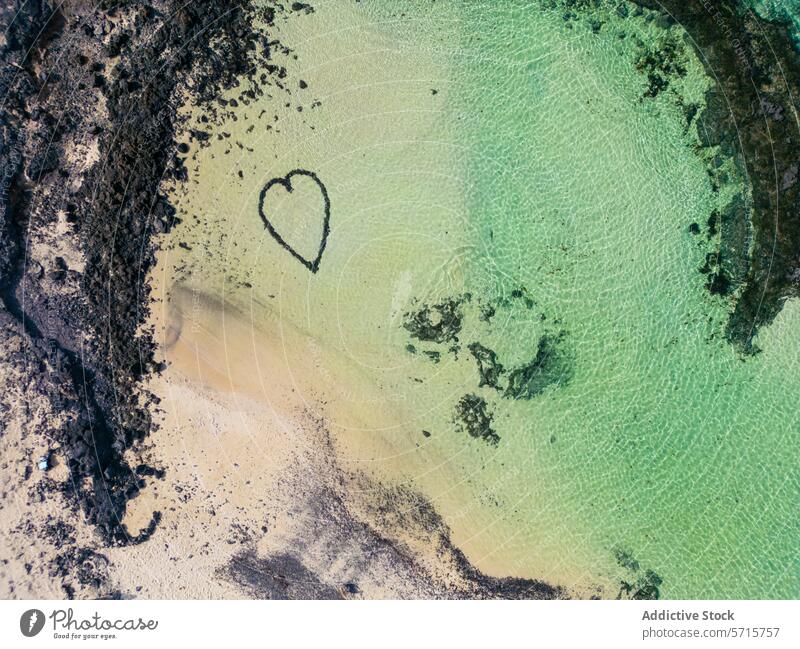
x=501 y=157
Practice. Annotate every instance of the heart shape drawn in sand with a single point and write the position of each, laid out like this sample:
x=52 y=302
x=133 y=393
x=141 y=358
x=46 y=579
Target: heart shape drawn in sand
x=286 y=183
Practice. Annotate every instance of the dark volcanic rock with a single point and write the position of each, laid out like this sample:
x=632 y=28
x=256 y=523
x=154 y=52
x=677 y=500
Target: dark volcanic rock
x=756 y=68
x=280 y=577
x=133 y=63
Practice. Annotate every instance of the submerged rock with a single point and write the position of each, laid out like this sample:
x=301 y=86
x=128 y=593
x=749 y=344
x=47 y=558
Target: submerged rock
x=437 y=323
x=550 y=366
x=489 y=368
x=474 y=417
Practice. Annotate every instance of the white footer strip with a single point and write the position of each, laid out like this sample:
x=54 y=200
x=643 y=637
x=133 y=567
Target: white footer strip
x=415 y=624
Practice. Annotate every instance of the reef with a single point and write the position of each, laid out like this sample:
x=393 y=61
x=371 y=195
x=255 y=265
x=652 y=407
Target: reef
x=550 y=366
x=661 y=63
x=489 y=368
x=369 y=536
x=750 y=118
x=437 y=323
x=552 y=363
x=472 y=415
x=641 y=583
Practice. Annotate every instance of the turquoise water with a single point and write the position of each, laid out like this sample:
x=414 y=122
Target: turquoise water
x=512 y=162
x=659 y=442
x=668 y=444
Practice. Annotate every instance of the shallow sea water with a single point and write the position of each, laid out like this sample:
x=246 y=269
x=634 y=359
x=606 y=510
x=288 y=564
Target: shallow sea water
x=502 y=156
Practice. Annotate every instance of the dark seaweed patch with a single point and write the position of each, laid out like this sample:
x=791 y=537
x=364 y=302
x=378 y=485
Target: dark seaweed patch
x=487 y=313
x=473 y=416
x=550 y=366
x=643 y=584
x=437 y=323
x=626 y=560
x=279 y=577
x=645 y=587
x=302 y=6
x=660 y=64
x=489 y=368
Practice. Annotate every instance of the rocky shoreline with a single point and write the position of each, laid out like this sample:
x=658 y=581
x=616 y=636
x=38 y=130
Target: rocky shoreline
x=88 y=125
x=751 y=115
